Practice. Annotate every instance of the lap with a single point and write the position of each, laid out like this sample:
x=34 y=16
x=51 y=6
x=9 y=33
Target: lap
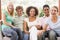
x=8 y=32
x=46 y=34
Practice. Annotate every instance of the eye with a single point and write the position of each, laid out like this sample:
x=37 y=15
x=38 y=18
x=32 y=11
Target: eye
x=55 y=10
x=46 y=9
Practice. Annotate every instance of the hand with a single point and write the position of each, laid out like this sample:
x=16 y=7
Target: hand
x=38 y=27
x=40 y=32
x=26 y=32
x=13 y=26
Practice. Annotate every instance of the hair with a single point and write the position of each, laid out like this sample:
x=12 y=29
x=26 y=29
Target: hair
x=31 y=7
x=46 y=6
x=10 y=4
x=19 y=7
x=55 y=7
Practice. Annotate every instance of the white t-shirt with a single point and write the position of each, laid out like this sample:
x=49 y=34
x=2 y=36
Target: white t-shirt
x=43 y=21
x=33 y=30
x=30 y=24
x=54 y=26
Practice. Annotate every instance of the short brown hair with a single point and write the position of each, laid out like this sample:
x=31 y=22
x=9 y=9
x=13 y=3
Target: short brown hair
x=29 y=8
x=55 y=7
x=46 y=6
x=19 y=7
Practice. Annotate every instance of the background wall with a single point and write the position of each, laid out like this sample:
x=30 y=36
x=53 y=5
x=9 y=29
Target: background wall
x=25 y=3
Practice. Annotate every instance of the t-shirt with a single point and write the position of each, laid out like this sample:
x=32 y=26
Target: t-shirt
x=43 y=21
x=54 y=26
x=30 y=24
x=18 y=22
x=9 y=19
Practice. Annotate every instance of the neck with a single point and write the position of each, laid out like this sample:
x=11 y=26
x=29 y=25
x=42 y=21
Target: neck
x=54 y=17
x=11 y=14
x=47 y=15
x=32 y=17
x=19 y=15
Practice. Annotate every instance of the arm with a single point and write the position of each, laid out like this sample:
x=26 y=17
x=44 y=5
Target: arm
x=4 y=20
x=25 y=27
x=45 y=27
x=43 y=30
x=38 y=27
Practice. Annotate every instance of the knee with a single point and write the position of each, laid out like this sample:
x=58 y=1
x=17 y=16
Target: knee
x=52 y=33
x=14 y=33
x=41 y=35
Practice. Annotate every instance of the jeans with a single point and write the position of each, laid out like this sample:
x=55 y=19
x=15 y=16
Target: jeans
x=19 y=33
x=51 y=34
x=11 y=33
x=26 y=36
x=40 y=37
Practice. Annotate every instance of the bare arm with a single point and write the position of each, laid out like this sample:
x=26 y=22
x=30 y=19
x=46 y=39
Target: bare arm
x=45 y=27
x=4 y=20
x=25 y=27
x=38 y=27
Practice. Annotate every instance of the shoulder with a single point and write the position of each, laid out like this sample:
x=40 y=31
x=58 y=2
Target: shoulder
x=4 y=12
x=41 y=18
x=58 y=16
x=26 y=19
x=48 y=20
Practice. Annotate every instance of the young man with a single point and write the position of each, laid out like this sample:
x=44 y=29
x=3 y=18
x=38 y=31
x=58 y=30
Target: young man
x=18 y=23
x=44 y=19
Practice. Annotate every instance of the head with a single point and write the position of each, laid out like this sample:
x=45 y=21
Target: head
x=19 y=10
x=32 y=11
x=54 y=10
x=10 y=8
x=46 y=9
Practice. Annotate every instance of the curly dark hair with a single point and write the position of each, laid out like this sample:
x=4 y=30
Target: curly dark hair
x=29 y=8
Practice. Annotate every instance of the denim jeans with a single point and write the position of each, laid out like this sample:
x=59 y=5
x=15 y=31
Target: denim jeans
x=19 y=33
x=26 y=36
x=51 y=34
x=10 y=33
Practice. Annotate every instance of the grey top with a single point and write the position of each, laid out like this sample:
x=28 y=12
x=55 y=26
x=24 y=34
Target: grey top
x=18 y=22
x=54 y=26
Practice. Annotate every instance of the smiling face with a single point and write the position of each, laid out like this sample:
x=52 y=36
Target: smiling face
x=19 y=12
x=54 y=10
x=10 y=8
x=46 y=10
x=32 y=12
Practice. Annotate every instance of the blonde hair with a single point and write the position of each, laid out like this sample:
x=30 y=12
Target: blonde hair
x=55 y=7
x=10 y=3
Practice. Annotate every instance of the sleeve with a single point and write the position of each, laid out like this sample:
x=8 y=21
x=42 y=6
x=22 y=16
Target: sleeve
x=26 y=19
x=39 y=22
x=47 y=21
